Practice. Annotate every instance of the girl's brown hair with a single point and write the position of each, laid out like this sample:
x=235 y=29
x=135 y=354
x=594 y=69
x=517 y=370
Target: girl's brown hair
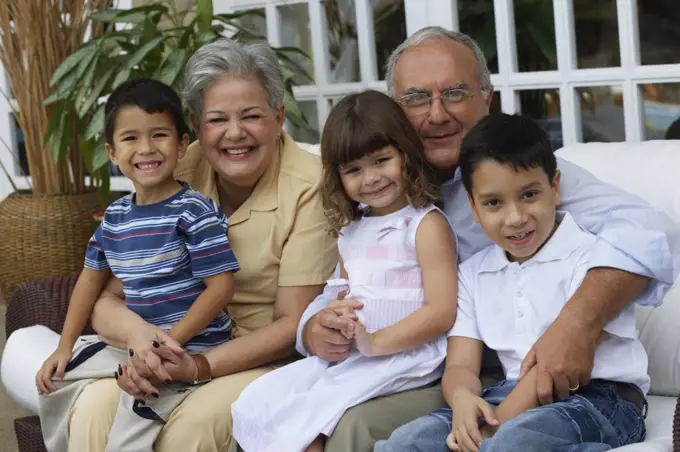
x=361 y=124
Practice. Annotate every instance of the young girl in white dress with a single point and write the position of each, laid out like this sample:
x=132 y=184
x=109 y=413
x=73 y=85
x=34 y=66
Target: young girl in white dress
x=397 y=257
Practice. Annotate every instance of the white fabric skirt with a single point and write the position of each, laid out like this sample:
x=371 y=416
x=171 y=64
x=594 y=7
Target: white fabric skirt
x=286 y=409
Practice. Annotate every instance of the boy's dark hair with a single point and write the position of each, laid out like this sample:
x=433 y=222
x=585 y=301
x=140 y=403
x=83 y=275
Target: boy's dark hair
x=673 y=132
x=358 y=125
x=151 y=96
x=511 y=140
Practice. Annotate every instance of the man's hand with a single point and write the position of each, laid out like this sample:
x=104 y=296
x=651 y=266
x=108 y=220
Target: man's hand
x=468 y=408
x=564 y=355
x=322 y=334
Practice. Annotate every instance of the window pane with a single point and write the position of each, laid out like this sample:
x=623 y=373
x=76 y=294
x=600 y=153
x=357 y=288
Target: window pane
x=389 y=24
x=659 y=31
x=661 y=108
x=295 y=32
x=342 y=41
x=602 y=113
x=312 y=134
x=476 y=19
x=18 y=145
x=597 y=34
x=543 y=105
x=495 y=106
x=256 y=22
x=535 y=35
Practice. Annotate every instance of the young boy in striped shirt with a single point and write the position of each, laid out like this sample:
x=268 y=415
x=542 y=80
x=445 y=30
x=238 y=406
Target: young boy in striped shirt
x=167 y=244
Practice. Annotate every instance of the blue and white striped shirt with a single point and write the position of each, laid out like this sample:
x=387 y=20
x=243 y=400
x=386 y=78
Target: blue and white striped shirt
x=161 y=252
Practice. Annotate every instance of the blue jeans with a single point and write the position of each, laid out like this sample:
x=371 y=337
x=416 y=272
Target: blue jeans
x=593 y=420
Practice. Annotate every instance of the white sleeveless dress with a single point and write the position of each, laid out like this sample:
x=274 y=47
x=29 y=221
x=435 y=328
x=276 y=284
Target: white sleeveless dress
x=284 y=410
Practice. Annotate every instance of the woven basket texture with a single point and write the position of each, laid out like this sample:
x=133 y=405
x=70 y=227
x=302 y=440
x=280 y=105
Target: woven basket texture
x=43 y=235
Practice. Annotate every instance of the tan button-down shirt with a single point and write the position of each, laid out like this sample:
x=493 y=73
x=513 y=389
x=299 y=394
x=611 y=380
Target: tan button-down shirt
x=278 y=234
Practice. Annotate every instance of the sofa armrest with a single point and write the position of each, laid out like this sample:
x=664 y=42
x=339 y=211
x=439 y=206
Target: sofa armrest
x=676 y=427
x=41 y=302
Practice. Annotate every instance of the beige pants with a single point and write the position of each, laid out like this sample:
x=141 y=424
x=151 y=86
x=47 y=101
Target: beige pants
x=201 y=423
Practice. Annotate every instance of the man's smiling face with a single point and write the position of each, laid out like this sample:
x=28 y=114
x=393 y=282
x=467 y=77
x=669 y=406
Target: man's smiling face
x=433 y=67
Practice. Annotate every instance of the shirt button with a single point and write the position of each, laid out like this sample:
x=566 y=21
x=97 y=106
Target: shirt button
x=520 y=314
x=519 y=293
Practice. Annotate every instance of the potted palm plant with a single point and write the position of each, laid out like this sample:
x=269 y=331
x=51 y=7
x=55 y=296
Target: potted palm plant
x=154 y=41
x=44 y=229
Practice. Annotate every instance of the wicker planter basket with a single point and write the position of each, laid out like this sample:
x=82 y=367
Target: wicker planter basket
x=43 y=235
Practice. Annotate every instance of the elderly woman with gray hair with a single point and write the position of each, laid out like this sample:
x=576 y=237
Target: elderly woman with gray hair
x=269 y=189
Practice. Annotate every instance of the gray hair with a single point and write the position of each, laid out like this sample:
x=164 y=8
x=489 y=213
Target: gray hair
x=226 y=58
x=431 y=34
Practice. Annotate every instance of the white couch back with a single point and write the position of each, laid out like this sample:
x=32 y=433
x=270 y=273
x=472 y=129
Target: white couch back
x=650 y=170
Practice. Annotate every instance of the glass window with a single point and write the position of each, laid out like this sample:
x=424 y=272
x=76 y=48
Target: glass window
x=389 y=24
x=295 y=32
x=661 y=108
x=495 y=106
x=602 y=113
x=18 y=146
x=312 y=134
x=256 y=23
x=543 y=105
x=342 y=41
x=659 y=22
x=597 y=34
x=535 y=35
x=476 y=19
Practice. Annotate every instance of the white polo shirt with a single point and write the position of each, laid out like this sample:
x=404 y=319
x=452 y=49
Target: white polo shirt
x=508 y=305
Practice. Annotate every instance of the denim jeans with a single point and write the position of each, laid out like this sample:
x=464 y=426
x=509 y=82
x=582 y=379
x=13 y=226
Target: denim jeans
x=593 y=420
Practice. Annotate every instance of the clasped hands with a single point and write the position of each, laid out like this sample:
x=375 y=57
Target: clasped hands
x=154 y=358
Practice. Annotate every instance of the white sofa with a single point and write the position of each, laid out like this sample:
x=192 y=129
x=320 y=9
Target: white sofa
x=650 y=170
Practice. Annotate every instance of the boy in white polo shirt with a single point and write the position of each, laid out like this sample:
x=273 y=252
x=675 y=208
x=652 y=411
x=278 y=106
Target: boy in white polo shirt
x=509 y=293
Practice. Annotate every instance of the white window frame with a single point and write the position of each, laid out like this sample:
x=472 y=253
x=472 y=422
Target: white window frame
x=508 y=82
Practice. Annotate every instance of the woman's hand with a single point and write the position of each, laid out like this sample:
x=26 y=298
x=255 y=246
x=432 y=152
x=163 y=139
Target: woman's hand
x=148 y=347
x=181 y=369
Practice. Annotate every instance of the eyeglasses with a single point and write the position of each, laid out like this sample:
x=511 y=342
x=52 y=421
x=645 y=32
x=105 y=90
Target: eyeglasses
x=420 y=103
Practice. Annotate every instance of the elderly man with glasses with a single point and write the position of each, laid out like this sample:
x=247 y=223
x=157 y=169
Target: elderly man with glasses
x=441 y=80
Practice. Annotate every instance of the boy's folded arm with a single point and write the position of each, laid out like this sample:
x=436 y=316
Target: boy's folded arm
x=525 y=395
x=215 y=297
x=85 y=294
x=463 y=363
x=522 y=398
x=436 y=251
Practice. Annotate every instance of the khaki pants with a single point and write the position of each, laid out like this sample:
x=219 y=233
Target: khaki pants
x=201 y=423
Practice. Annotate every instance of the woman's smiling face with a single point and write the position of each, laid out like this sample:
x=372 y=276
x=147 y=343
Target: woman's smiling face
x=238 y=129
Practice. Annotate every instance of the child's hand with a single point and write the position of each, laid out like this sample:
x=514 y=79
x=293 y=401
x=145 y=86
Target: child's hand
x=363 y=340
x=465 y=433
x=349 y=331
x=54 y=366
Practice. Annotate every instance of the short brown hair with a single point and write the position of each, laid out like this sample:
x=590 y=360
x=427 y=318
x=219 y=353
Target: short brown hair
x=361 y=124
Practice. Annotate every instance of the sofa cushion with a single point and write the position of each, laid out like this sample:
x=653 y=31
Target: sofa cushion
x=651 y=170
